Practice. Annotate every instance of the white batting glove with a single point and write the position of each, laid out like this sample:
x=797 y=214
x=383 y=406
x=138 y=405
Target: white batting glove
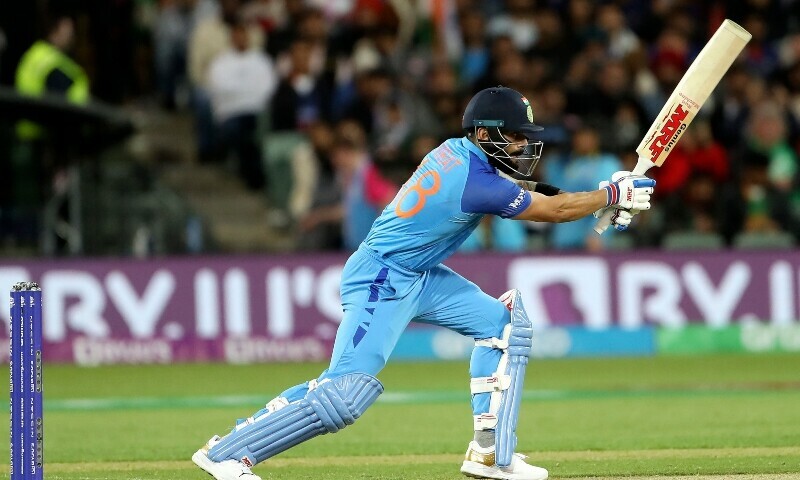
x=619 y=175
x=630 y=192
x=622 y=217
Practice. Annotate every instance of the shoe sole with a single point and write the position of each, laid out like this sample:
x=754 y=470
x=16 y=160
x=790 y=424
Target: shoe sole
x=479 y=470
x=217 y=471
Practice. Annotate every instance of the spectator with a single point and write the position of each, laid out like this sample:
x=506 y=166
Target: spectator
x=692 y=198
x=267 y=14
x=621 y=39
x=321 y=228
x=209 y=38
x=475 y=59
x=551 y=101
x=768 y=138
x=580 y=170
x=393 y=130
x=766 y=168
x=368 y=192
x=500 y=47
x=241 y=82
x=496 y=234
x=508 y=70
x=175 y=21
x=47 y=69
x=580 y=23
x=443 y=94
x=644 y=84
x=303 y=96
x=627 y=126
x=611 y=89
x=760 y=54
x=282 y=35
x=373 y=87
x=519 y=20
x=554 y=44
x=300 y=172
x=731 y=112
x=383 y=42
x=364 y=191
x=696 y=153
x=669 y=60
x=40 y=167
x=312 y=28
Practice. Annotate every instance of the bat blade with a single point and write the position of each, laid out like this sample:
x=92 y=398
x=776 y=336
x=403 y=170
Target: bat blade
x=692 y=91
x=694 y=88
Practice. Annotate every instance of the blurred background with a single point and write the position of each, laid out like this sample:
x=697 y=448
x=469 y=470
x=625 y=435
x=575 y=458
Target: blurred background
x=152 y=127
x=185 y=178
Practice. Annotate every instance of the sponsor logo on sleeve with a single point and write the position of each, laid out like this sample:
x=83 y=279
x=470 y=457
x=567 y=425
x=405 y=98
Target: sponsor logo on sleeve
x=517 y=201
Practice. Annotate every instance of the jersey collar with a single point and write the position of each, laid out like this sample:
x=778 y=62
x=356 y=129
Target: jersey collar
x=474 y=149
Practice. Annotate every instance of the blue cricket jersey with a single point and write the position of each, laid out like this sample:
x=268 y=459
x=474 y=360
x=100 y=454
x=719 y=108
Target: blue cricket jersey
x=441 y=204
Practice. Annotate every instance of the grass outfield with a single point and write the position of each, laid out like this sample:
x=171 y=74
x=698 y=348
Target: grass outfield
x=704 y=418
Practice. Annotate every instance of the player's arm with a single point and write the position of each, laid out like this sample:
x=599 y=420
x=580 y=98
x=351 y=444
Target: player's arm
x=632 y=192
x=565 y=207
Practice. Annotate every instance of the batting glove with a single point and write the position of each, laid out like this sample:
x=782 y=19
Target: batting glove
x=631 y=192
x=622 y=217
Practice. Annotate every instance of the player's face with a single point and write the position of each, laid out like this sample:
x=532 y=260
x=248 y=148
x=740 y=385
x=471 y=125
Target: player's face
x=515 y=153
x=516 y=143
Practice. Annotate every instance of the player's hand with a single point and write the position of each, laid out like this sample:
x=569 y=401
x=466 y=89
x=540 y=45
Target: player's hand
x=630 y=192
x=621 y=219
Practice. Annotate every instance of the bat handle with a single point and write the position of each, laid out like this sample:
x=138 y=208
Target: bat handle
x=642 y=166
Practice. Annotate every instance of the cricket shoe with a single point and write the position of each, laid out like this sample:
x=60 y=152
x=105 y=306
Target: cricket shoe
x=224 y=470
x=479 y=463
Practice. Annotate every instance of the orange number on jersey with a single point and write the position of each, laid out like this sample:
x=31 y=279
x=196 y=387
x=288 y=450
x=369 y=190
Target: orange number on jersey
x=422 y=193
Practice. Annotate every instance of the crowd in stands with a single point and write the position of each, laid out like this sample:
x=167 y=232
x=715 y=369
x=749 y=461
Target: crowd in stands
x=351 y=94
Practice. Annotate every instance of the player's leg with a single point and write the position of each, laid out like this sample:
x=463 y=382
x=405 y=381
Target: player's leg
x=503 y=339
x=372 y=324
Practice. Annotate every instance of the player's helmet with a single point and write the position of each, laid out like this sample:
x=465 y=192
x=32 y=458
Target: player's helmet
x=504 y=110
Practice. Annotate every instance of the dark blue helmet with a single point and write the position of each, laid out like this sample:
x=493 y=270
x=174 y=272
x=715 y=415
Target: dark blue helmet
x=503 y=110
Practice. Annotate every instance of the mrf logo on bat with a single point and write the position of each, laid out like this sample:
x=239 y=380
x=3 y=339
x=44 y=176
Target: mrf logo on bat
x=672 y=129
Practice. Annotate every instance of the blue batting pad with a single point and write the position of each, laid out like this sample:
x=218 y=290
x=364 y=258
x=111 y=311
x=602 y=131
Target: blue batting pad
x=519 y=349
x=328 y=408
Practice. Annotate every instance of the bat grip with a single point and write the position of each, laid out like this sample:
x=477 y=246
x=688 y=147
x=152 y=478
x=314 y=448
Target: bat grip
x=642 y=166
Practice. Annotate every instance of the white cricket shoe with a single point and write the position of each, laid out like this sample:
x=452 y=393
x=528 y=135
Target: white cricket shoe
x=479 y=463
x=225 y=470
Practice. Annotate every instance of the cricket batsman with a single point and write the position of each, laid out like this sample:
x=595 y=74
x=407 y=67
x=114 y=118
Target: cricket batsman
x=396 y=276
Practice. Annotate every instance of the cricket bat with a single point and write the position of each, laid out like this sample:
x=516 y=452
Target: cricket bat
x=689 y=95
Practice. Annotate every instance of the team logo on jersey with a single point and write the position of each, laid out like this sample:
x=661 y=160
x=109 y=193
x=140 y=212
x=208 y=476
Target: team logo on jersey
x=530 y=110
